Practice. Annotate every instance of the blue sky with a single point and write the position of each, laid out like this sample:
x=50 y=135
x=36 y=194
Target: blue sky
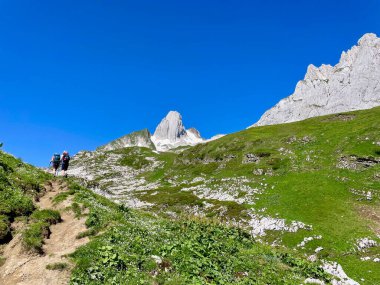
x=77 y=74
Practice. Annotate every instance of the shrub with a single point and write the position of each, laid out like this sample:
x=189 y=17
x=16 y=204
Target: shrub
x=76 y=209
x=89 y=232
x=13 y=203
x=33 y=236
x=57 y=266
x=2 y=260
x=46 y=215
x=93 y=219
x=5 y=227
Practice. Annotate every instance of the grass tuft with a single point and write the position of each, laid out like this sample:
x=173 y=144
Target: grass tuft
x=57 y=266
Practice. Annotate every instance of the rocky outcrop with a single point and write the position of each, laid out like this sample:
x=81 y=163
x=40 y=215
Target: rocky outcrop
x=140 y=138
x=194 y=132
x=352 y=84
x=171 y=128
x=171 y=133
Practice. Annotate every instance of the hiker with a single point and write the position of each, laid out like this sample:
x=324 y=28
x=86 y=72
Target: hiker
x=65 y=162
x=55 y=162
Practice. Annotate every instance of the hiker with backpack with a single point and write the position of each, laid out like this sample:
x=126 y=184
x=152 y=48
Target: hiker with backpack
x=55 y=162
x=65 y=162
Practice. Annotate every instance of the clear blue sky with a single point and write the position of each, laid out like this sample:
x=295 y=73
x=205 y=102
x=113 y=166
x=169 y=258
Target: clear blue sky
x=77 y=74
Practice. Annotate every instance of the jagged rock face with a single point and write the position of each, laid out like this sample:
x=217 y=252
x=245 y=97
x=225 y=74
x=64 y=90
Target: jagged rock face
x=140 y=138
x=171 y=133
x=194 y=132
x=171 y=128
x=352 y=84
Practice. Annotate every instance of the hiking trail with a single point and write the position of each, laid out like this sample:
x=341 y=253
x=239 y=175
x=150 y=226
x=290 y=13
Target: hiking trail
x=25 y=268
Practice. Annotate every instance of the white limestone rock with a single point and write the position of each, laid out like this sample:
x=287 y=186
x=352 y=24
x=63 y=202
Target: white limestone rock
x=171 y=128
x=365 y=243
x=171 y=133
x=352 y=84
x=336 y=270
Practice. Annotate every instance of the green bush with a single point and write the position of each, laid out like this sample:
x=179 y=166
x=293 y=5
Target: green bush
x=89 y=232
x=39 y=228
x=76 y=209
x=2 y=260
x=46 y=215
x=5 y=227
x=33 y=236
x=57 y=266
x=93 y=219
x=13 y=203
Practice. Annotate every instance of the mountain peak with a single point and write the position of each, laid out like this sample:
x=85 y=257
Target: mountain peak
x=171 y=127
x=174 y=115
x=171 y=133
x=350 y=85
x=370 y=39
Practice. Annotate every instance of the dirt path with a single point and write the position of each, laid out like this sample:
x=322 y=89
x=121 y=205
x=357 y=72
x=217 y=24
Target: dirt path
x=24 y=268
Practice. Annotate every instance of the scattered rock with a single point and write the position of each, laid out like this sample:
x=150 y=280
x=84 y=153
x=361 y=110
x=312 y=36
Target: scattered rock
x=157 y=259
x=340 y=117
x=312 y=258
x=336 y=270
x=308 y=239
x=354 y=162
x=313 y=281
x=285 y=151
x=365 y=243
x=251 y=158
x=318 y=249
x=306 y=140
x=229 y=157
x=365 y=195
x=260 y=224
x=260 y=171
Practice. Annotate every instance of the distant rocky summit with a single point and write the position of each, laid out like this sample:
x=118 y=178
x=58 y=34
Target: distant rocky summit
x=169 y=134
x=352 y=84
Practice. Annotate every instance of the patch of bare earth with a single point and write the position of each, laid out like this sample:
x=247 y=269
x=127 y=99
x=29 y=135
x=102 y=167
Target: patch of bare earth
x=371 y=214
x=25 y=268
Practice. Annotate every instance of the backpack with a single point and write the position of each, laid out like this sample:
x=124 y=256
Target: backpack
x=57 y=158
x=66 y=158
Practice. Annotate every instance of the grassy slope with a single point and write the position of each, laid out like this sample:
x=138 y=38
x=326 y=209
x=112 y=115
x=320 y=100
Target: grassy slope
x=308 y=185
x=20 y=184
x=124 y=242
x=193 y=251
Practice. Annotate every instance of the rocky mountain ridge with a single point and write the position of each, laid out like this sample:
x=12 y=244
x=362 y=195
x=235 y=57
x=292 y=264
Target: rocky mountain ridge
x=139 y=138
x=352 y=84
x=170 y=133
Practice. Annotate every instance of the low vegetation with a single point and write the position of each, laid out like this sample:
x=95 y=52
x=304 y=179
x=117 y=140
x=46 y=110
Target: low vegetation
x=57 y=266
x=134 y=247
x=34 y=235
x=314 y=172
x=323 y=172
x=38 y=228
x=138 y=248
